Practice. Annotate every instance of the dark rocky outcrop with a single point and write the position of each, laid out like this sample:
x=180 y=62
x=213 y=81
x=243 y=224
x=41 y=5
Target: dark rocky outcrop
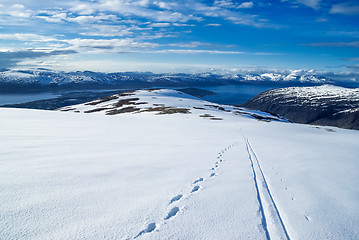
x=323 y=105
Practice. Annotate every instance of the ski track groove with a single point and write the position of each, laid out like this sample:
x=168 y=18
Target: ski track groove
x=152 y=226
x=274 y=219
x=264 y=222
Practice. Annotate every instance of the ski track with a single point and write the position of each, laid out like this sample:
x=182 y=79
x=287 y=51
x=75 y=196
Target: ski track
x=175 y=210
x=272 y=222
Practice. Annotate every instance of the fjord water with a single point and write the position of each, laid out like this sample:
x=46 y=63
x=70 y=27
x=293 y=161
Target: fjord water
x=236 y=94
x=14 y=98
x=225 y=94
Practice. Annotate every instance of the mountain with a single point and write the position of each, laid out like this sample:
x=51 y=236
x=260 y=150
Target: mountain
x=319 y=105
x=44 y=80
x=161 y=164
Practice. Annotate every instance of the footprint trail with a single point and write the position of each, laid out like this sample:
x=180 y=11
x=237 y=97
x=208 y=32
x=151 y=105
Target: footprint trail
x=175 y=210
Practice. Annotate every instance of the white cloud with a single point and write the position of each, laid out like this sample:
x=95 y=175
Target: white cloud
x=91 y=19
x=348 y=8
x=354 y=44
x=193 y=44
x=160 y=24
x=246 y=5
x=194 y=51
x=231 y=4
x=214 y=24
x=166 y=5
x=234 y=16
x=106 y=30
x=140 y=9
x=53 y=17
x=82 y=9
x=224 y=3
x=322 y=19
x=309 y=3
x=107 y=45
x=183 y=25
x=354 y=34
x=26 y=37
x=16 y=10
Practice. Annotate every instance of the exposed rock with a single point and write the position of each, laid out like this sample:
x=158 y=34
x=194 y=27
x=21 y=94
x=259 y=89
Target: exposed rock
x=323 y=105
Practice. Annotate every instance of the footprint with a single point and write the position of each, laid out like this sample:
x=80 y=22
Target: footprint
x=176 y=198
x=307 y=217
x=198 y=180
x=150 y=228
x=172 y=213
x=212 y=169
x=212 y=175
x=195 y=189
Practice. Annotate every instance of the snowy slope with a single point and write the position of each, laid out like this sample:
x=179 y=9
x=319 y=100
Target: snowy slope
x=163 y=101
x=167 y=173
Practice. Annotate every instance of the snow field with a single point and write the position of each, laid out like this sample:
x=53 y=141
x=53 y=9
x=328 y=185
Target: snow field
x=67 y=175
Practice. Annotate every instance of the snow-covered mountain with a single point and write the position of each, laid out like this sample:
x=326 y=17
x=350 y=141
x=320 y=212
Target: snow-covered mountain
x=162 y=164
x=319 y=105
x=44 y=79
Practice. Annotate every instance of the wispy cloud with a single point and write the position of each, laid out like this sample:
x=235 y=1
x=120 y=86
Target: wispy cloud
x=246 y=5
x=342 y=33
x=17 y=10
x=354 y=44
x=11 y=58
x=160 y=24
x=232 y=4
x=315 y=4
x=107 y=45
x=205 y=51
x=346 y=8
x=213 y=24
x=352 y=59
x=195 y=44
x=26 y=37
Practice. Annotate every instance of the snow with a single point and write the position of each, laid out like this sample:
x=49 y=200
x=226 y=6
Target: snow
x=323 y=91
x=144 y=175
x=46 y=77
x=315 y=96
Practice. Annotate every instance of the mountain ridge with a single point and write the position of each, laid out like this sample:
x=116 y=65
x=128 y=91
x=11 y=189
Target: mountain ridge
x=42 y=80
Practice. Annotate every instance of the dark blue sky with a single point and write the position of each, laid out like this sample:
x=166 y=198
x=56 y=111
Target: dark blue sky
x=188 y=35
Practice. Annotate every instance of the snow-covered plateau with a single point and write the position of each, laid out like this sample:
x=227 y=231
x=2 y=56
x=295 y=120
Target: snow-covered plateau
x=160 y=164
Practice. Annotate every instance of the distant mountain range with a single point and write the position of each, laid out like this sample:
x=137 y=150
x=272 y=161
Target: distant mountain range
x=31 y=80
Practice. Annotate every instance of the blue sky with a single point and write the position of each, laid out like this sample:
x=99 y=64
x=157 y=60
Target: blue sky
x=179 y=36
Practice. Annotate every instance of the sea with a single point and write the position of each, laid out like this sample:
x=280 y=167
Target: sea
x=226 y=94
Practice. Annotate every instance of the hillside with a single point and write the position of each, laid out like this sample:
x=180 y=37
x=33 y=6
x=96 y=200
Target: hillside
x=161 y=164
x=321 y=105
